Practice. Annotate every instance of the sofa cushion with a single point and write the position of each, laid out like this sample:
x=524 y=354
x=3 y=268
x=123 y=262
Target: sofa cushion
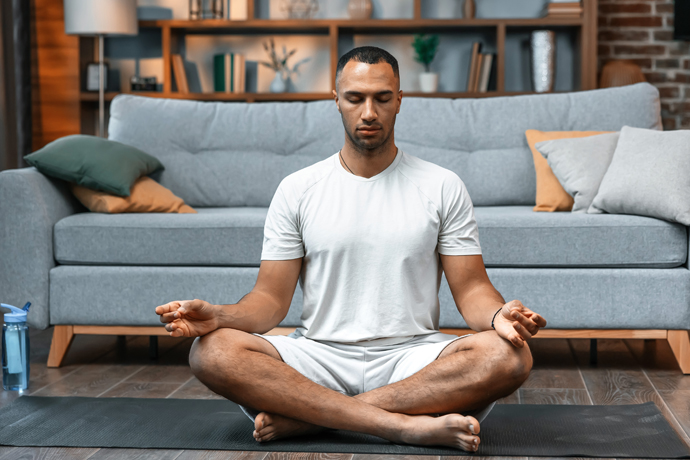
x=511 y=236
x=649 y=175
x=213 y=236
x=230 y=154
x=569 y=298
x=94 y=163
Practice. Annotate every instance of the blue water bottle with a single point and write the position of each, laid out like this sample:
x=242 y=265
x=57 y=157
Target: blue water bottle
x=15 y=348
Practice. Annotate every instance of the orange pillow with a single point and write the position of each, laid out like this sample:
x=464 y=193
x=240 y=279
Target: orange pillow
x=551 y=196
x=146 y=195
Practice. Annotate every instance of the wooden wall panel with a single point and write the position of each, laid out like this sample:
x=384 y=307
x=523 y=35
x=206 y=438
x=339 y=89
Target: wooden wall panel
x=55 y=74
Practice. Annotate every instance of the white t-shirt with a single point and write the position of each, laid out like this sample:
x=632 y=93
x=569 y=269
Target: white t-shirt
x=371 y=270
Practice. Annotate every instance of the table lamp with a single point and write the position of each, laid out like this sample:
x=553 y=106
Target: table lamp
x=99 y=18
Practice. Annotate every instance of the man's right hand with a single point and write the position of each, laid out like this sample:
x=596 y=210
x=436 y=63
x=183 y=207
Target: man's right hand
x=188 y=318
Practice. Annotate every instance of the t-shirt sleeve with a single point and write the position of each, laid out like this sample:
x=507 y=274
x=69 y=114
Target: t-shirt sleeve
x=459 y=234
x=282 y=236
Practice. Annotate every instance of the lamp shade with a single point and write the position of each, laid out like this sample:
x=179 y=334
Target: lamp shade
x=95 y=17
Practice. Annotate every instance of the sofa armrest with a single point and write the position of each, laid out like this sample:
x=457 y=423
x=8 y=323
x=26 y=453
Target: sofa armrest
x=30 y=205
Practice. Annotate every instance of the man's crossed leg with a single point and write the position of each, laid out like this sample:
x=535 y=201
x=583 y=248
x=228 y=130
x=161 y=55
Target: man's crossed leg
x=469 y=374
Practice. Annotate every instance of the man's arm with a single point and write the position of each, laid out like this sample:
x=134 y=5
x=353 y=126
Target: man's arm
x=259 y=311
x=478 y=301
x=475 y=297
x=268 y=303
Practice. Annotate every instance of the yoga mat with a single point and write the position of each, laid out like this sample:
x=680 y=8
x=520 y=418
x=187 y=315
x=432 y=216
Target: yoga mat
x=638 y=430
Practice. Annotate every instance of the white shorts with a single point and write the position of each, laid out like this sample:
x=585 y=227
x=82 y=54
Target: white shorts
x=354 y=369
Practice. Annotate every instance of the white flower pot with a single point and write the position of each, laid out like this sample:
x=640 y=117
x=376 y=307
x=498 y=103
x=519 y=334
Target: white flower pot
x=428 y=82
x=278 y=85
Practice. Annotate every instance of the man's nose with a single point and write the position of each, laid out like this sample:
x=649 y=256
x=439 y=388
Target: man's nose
x=368 y=114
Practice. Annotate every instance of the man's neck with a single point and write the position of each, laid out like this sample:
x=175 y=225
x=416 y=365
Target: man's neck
x=367 y=163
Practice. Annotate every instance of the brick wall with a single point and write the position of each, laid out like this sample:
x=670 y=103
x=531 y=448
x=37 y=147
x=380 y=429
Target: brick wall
x=642 y=31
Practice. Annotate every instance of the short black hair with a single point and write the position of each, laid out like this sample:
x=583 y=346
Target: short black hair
x=367 y=55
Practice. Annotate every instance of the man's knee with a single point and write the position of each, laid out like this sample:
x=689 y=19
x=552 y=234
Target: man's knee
x=512 y=363
x=213 y=351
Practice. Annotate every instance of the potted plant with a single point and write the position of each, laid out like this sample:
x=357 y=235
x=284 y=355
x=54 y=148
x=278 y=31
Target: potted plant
x=425 y=47
x=283 y=71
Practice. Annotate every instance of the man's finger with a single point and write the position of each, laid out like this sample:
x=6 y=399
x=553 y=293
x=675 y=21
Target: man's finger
x=524 y=333
x=179 y=330
x=528 y=323
x=168 y=307
x=168 y=317
x=517 y=340
x=539 y=320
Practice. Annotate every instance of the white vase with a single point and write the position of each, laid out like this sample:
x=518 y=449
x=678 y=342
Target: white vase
x=278 y=84
x=428 y=82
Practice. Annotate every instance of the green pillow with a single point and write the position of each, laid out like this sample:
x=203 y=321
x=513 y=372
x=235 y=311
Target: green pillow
x=94 y=163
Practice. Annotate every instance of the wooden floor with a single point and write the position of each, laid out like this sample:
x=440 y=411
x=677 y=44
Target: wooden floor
x=628 y=372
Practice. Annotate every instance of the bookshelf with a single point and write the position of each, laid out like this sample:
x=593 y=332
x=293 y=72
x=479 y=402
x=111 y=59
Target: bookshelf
x=339 y=34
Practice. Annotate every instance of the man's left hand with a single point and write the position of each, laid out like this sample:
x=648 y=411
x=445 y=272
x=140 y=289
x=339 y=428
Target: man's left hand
x=517 y=323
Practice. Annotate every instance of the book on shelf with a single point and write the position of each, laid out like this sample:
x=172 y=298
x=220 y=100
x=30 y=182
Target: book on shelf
x=237 y=10
x=485 y=72
x=229 y=73
x=474 y=57
x=482 y=70
x=180 y=75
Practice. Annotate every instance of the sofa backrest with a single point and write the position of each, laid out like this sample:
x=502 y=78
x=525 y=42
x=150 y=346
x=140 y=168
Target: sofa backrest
x=236 y=153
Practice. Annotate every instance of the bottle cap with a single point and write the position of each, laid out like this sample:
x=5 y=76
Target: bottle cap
x=16 y=315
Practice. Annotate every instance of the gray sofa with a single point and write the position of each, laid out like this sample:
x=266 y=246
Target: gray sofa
x=583 y=272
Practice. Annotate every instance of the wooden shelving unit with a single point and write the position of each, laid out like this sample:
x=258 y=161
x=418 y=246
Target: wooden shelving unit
x=174 y=31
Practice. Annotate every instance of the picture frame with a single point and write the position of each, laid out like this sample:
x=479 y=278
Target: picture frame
x=92 y=76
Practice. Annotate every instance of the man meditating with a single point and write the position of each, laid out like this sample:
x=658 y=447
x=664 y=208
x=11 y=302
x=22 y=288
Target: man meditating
x=367 y=232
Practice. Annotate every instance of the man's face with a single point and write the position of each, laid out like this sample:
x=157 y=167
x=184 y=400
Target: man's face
x=368 y=98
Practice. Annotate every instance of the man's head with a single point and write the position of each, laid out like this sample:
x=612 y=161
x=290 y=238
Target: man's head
x=368 y=95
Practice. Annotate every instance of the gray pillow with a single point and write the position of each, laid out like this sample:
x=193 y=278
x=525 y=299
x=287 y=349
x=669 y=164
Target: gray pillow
x=579 y=164
x=649 y=175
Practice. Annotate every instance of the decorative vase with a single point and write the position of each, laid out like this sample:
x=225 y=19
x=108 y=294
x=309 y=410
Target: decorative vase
x=300 y=9
x=278 y=85
x=542 y=58
x=428 y=82
x=468 y=9
x=360 y=9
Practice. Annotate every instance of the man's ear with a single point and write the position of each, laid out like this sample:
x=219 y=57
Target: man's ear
x=337 y=101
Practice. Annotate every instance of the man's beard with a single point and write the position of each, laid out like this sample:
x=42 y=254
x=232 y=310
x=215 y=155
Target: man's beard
x=362 y=145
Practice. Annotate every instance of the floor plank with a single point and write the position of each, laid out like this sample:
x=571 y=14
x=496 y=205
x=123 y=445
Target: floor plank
x=554 y=396
x=141 y=390
x=50 y=453
x=194 y=389
x=92 y=380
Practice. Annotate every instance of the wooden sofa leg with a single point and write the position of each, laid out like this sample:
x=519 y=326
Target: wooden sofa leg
x=680 y=344
x=62 y=339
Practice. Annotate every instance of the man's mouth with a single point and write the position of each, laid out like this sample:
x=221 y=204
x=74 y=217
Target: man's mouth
x=369 y=130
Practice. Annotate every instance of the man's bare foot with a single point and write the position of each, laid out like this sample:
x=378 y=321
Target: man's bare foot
x=272 y=426
x=453 y=430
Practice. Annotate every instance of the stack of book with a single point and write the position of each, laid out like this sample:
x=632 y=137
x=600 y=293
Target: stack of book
x=563 y=9
x=228 y=73
x=232 y=73
x=482 y=75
